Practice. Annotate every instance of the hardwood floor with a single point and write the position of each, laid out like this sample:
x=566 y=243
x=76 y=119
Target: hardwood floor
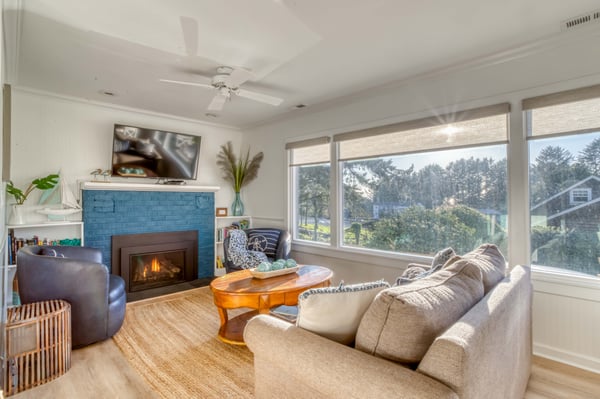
x=101 y=371
x=97 y=371
x=550 y=379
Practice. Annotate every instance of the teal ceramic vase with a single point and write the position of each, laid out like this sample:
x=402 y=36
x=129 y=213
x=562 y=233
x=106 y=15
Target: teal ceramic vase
x=237 y=208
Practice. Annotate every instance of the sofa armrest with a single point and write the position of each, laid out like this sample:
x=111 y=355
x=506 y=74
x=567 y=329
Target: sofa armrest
x=293 y=362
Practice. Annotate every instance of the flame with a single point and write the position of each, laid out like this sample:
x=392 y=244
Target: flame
x=145 y=271
x=155 y=265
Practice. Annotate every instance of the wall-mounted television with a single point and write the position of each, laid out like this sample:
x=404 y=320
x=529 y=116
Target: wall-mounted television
x=152 y=153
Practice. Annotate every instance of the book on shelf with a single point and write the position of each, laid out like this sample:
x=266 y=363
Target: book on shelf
x=16 y=243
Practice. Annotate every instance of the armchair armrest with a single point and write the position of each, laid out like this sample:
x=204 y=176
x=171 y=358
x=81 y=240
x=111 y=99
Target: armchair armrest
x=284 y=246
x=292 y=362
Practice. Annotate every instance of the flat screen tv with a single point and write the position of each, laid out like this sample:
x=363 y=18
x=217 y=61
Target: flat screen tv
x=151 y=153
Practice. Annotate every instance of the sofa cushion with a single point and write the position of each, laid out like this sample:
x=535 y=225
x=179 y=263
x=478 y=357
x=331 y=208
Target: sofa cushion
x=489 y=260
x=264 y=240
x=404 y=320
x=335 y=312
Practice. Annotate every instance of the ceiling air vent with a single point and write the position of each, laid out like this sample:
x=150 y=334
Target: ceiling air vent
x=581 y=20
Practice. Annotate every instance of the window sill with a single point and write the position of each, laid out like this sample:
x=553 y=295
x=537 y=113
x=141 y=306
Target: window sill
x=362 y=255
x=555 y=281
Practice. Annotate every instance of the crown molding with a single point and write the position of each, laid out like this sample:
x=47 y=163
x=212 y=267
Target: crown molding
x=63 y=97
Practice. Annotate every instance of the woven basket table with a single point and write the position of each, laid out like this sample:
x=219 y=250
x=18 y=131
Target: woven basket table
x=38 y=344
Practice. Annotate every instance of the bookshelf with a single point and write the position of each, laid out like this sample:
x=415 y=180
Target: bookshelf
x=222 y=225
x=56 y=233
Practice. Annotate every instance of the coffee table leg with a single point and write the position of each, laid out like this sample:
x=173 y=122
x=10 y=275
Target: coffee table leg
x=223 y=316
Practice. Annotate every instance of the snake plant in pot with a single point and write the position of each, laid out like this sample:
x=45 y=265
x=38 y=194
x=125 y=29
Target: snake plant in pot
x=42 y=183
x=239 y=171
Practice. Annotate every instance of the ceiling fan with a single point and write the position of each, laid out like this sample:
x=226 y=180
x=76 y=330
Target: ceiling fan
x=227 y=81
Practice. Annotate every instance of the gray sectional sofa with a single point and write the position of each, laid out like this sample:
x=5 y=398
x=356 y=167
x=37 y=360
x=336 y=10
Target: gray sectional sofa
x=485 y=354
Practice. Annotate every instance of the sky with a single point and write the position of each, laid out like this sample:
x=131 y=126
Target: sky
x=574 y=144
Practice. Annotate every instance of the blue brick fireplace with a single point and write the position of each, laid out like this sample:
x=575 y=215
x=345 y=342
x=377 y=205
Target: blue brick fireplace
x=118 y=212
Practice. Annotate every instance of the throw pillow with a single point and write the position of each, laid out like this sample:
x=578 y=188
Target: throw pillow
x=403 y=321
x=443 y=256
x=335 y=312
x=264 y=240
x=415 y=271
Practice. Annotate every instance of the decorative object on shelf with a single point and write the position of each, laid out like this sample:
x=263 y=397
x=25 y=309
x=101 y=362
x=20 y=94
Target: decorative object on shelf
x=43 y=183
x=239 y=171
x=221 y=212
x=106 y=173
x=60 y=194
x=237 y=207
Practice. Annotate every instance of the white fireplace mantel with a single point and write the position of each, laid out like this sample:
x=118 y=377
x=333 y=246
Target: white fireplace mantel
x=121 y=186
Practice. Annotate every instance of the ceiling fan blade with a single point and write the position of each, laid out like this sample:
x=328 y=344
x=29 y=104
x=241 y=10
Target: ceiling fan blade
x=237 y=77
x=218 y=102
x=263 y=98
x=189 y=27
x=179 y=82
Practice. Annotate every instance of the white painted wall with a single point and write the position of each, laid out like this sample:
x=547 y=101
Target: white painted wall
x=51 y=133
x=563 y=323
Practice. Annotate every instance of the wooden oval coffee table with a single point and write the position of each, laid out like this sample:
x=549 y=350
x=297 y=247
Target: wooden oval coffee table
x=241 y=290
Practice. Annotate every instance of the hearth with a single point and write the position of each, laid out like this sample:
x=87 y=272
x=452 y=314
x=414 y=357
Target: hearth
x=152 y=263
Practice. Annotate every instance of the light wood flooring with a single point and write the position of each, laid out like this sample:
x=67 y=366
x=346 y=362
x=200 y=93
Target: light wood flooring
x=101 y=371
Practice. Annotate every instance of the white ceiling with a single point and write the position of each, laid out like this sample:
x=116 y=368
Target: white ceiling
x=304 y=51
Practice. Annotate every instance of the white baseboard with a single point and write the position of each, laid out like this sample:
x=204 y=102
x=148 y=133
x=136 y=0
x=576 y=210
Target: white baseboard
x=573 y=359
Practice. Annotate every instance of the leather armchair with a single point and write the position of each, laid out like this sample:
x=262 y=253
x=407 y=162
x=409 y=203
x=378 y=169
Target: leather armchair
x=97 y=298
x=279 y=248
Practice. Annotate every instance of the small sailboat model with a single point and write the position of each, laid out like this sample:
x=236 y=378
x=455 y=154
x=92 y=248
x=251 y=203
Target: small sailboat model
x=59 y=195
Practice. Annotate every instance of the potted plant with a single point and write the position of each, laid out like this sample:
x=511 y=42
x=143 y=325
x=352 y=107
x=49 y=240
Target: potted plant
x=239 y=171
x=43 y=183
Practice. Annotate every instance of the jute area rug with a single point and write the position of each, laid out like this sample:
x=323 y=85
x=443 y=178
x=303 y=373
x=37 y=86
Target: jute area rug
x=172 y=343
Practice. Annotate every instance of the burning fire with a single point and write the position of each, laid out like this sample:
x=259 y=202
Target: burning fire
x=155 y=265
x=154 y=268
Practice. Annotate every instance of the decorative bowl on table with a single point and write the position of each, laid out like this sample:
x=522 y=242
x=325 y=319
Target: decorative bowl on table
x=277 y=268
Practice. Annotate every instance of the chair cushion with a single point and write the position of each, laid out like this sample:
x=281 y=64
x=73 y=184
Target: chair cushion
x=403 y=321
x=335 y=312
x=264 y=240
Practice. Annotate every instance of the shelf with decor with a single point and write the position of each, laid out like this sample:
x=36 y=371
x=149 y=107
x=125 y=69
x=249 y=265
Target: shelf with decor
x=55 y=233
x=223 y=224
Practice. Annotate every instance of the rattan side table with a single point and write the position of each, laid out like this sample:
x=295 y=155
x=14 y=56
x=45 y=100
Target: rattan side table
x=38 y=344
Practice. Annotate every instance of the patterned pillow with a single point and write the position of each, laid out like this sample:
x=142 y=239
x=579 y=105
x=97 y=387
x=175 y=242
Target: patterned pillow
x=415 y=272
x=335 y=312
x=264 y=240
x=442 y=257
x=240 y=256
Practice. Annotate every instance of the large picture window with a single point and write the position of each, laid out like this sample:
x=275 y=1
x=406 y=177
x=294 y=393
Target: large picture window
x=420 y=186
x=563 y=130
x=310 y=175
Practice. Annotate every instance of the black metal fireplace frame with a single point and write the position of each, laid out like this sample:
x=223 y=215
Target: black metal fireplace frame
x=125 y=245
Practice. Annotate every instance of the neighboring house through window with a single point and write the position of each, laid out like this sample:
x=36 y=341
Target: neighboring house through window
x=563 y=131
x=580 y=195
